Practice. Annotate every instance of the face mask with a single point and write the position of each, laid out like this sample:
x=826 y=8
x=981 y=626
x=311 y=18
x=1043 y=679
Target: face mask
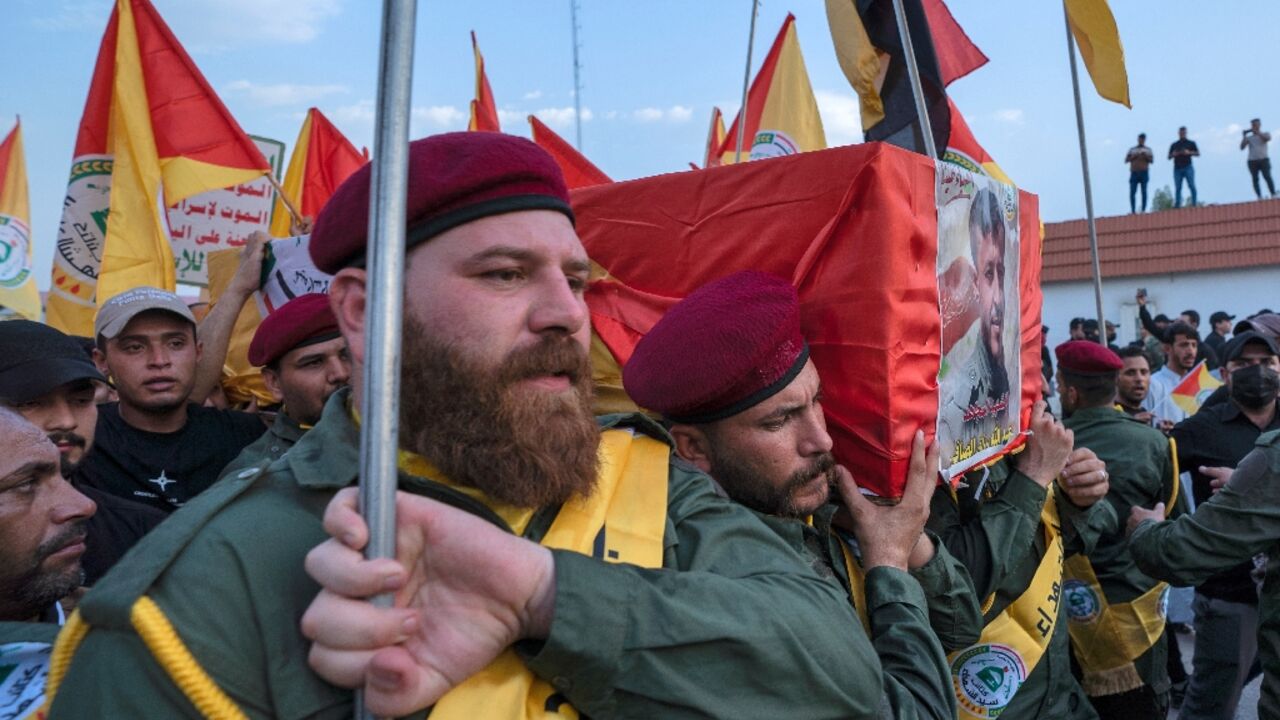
x=1254 y=387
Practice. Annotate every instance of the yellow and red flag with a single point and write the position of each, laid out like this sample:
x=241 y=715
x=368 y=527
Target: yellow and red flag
x=322 y=158
x=1094 y=28
x=484 y=111
x=579 y=172
x=715 y=138
x=151 y=121
x=1191 y=392
x=781 y=114
x=963 y=149
x=17 y=288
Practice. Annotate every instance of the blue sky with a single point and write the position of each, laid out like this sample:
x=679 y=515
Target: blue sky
x=653 y=70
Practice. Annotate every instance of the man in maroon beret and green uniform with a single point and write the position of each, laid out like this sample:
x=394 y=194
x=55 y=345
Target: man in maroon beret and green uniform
x=730 y=371
x=549 y=564
x=304 y=360
x=1116 y=613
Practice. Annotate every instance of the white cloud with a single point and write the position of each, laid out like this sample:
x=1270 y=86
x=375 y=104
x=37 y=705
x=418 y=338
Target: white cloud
x=611 y=115
x=841 y=118
x=1218 y=140
x=74 y=16
x=679 y=113
x=647 y=114
x=561 y=118
x=359 y=113
x=533 y=95
x=511 y=120
x=281 y=94
x=1013 y=116
x=675 y=114
x=438 y=117
x=216 y=25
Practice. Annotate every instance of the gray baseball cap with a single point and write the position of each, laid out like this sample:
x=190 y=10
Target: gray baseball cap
x=119 y=310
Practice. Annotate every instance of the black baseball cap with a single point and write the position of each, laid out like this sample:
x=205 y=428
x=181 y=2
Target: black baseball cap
x=35 y=359
x=1219 y=317
x=1236 y=345
x=1265 y=323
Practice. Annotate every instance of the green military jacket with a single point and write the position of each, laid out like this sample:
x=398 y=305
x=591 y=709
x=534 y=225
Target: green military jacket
x=744 y=630
x=911 y=640
x=1237 y=523
x=1140 y=468
x=997 y=536
x=283 y=434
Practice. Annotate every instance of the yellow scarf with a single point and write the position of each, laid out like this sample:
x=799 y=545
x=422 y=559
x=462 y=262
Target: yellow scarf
x=626 y=517
x=986 y=676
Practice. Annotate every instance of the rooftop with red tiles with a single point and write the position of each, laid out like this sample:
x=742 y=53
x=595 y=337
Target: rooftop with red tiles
x=1237 y=235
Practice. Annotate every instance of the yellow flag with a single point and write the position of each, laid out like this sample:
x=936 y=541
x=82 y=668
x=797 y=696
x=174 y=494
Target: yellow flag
x=17 y=288
x=151 y=121
x=293 y=177
x=1095 y=31
x=781 y=114
x=858 y=58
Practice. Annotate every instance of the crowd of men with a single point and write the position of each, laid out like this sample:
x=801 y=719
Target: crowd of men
x=708 y=559
x=1140 y=157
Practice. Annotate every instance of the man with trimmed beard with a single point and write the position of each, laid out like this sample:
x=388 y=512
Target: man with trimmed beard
x=766 y=446
x=304 y=360
x=1133 y=383
x=545 y=560
x=987 y=242
x=46 y=377
x=42 y=538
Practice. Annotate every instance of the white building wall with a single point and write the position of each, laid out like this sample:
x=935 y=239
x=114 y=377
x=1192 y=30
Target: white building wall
x=1240 y=292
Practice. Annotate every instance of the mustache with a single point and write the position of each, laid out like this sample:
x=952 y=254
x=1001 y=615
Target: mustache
x=824 y=465
x=73 y=534
x=69 y=438
x=551 y=356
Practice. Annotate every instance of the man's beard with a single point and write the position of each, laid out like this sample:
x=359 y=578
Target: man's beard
x=65 y=465
x=522 y=447
x=748 y=484
x=33 y=589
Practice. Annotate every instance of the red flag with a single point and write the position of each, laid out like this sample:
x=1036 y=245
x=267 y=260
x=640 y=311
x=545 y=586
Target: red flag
x=151 y=121
x=957 y=55
x=578 y=171
x=484 y=111
x=854 y=229
x=322 y=158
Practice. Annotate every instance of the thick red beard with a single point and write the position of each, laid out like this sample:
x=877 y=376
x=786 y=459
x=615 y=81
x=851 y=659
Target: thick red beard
x=481 y=428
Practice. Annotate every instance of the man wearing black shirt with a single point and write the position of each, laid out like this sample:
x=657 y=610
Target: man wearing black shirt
x=1219 y=328
x=1181 y=152
x=153 y=446
x=1226 y=605
x=46 y=377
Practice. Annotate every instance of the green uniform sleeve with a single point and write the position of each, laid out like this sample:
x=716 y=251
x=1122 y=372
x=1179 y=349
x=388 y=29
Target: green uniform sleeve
x=1238 y=522
x=916 y=674
x=1083 y=527
x=954 y=611
x=656 y=641
x=992 y=537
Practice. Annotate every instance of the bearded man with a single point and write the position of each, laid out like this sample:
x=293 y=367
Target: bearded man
x=545 y=560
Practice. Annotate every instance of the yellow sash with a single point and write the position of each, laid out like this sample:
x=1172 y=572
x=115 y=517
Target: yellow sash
x=623 y=521
x=987 y=675
x=857 y=584
x=1107 y=637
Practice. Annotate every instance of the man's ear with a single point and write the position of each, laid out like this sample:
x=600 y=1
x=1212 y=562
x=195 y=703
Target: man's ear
x=692 y=445
x=347 y=298
x=271 y=379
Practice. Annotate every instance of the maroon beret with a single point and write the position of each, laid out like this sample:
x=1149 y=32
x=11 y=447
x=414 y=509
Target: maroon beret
x=727 y=347
x=454 y=178
x=304 y=320
x=1083 y=357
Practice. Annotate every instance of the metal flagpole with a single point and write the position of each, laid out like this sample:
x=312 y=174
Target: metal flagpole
x=1088 y=189
x=380 y=406
x=913 y=72
x=577 y=77
x=746 y=81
